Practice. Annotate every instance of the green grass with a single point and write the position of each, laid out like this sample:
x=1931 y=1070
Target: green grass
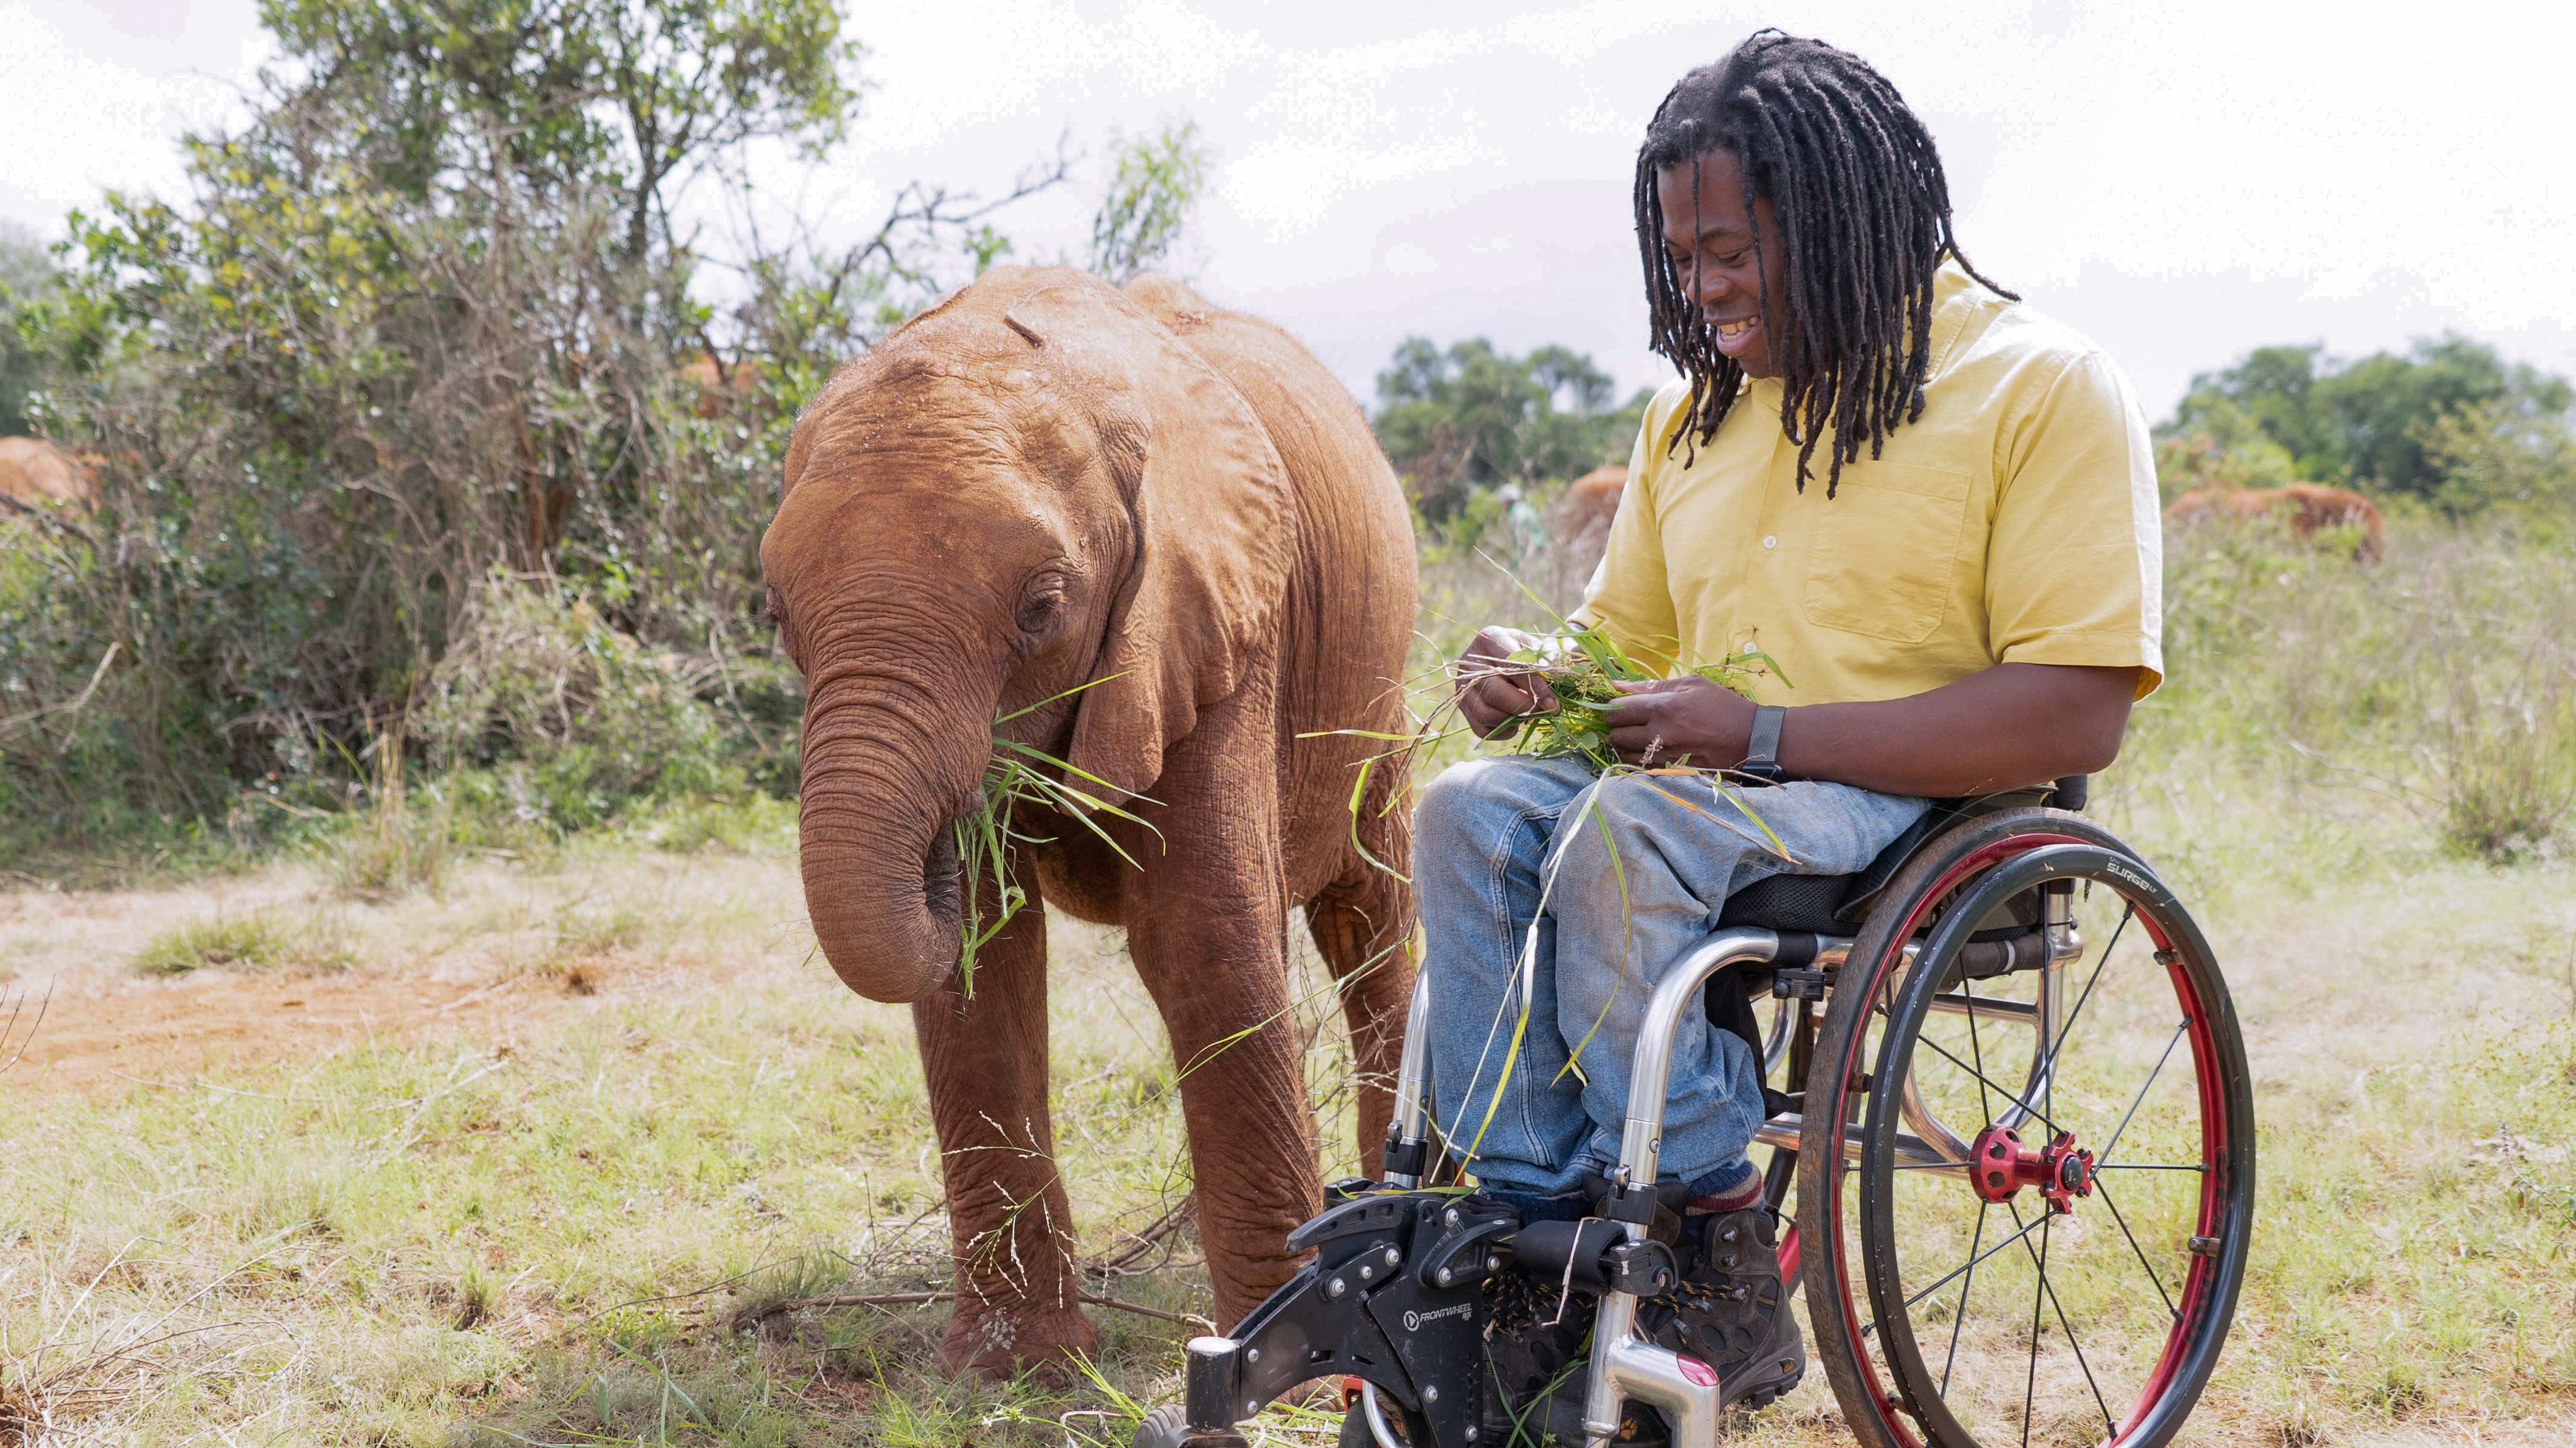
x=549 y=1229
x=244 y=943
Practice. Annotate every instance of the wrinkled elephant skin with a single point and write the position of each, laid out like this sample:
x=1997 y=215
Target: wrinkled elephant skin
x=1048 y=483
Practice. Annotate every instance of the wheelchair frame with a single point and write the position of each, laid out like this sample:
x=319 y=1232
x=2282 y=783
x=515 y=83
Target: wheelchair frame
x=1624 y=1365
x=2052 y=857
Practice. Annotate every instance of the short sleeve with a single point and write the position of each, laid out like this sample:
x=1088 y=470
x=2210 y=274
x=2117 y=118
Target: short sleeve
x=2075 y=562
x=1630 y=596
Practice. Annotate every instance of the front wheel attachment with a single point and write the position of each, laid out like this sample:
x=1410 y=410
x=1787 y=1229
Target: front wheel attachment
x=1394 y=1297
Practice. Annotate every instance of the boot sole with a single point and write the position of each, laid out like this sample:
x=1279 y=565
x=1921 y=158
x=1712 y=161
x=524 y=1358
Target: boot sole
x=1781 y=1373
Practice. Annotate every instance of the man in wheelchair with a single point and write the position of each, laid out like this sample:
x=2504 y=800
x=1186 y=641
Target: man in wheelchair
x=1932 y=509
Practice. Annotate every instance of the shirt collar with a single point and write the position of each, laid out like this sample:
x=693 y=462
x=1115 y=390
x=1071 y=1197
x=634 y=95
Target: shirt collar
x=1960 y=304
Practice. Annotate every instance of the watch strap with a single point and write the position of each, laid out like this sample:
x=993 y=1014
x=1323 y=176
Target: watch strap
x=1762 y=752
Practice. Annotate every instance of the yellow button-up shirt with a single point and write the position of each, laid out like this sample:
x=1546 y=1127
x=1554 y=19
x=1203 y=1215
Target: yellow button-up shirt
x=2015 y=521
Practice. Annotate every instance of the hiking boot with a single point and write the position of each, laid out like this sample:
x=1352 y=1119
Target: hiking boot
x=1538 y=1361
x=1731 y=1310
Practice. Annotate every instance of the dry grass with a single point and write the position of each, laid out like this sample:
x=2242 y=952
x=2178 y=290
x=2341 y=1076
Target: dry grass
x=545 y=1221
x=586 y=1126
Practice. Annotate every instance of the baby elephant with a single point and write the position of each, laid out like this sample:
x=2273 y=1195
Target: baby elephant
x=1165 y=533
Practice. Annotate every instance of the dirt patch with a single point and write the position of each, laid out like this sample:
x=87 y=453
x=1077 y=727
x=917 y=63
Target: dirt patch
x=491 y=952
x=164 y=1033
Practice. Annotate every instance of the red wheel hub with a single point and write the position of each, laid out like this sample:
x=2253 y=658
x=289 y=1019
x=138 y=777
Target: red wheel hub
x=2000 y=1164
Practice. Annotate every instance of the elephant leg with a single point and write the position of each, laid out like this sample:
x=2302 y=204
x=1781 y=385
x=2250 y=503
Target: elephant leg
x=1207 y=925
x=1363 y=927
x=1010 y=1225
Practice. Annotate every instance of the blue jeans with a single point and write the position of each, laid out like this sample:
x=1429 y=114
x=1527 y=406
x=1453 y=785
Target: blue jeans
x=1490 y=838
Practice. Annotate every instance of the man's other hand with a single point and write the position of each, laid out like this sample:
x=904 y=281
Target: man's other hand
x=1491 y=694
x=1672 y=721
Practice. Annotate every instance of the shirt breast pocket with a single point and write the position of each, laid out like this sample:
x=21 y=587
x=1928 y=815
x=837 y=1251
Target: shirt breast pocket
x=1886 y=550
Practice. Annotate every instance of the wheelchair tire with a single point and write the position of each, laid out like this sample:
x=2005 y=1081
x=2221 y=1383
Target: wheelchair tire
x=2007 y=1229
x=1165 y=1427
x=1410 y=1431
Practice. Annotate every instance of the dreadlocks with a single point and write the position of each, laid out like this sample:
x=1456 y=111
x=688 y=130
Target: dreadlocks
x=1863 y=214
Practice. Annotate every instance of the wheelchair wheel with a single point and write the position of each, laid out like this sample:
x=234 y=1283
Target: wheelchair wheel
x=1403 y=1429
x=2026 y=1194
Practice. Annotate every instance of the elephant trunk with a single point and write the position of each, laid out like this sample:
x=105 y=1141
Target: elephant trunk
x=883 y=786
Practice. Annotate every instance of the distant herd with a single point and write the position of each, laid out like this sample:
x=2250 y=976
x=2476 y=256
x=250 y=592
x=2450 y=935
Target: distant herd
x=34 y=473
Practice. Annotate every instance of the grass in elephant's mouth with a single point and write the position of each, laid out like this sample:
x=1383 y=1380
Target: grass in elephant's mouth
x=1019 y=775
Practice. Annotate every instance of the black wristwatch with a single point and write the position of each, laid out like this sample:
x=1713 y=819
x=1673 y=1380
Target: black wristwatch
x=1762 y=754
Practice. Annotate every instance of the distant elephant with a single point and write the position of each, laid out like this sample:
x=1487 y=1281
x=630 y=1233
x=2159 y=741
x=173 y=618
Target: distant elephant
x=2307 y=507
x=1047 y=483
x=1582 y=524
x=34 y=471
x=717 y=389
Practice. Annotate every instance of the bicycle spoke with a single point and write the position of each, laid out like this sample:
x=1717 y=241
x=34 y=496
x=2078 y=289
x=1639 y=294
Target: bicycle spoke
x=1961 y=1318
x=2030 y=1384
x=2143 y=1090
x=2048 y=1068
x=1971 y=1266
x=1977 y=1054
x=2039 y=1261
x=2152 y=1275
x=2143 y=1166
x=2047 y=1071
x=1981 y=1076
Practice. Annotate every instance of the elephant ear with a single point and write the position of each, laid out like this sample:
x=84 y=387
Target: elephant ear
x=1214 y=526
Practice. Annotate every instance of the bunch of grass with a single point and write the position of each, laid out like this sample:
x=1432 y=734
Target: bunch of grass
x=253 y=942
x=1018 y=776
x=1584 y=667
x=246 y=943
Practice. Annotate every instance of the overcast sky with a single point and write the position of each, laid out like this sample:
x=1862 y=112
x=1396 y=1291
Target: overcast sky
x=2182 y=181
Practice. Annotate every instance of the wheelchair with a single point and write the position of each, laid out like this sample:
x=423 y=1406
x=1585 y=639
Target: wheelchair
x=2012 y=1159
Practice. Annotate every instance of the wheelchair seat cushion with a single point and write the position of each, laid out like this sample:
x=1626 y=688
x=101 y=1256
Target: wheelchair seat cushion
x=1790 y=903
x=1838 y=904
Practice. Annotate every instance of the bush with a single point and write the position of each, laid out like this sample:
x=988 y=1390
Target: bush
x=564 y=720
x=420 y=319
x=2442 y=681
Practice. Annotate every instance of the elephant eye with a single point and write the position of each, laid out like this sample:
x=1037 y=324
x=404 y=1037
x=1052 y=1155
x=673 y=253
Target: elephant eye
x=1040 y=611
x=1044 y=605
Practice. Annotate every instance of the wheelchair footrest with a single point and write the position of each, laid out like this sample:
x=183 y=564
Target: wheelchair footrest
x=1394 y=1297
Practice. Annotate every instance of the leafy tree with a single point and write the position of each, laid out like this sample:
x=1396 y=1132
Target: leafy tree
x=1474 y=417
x=628 y=96
x=421 y=328
x=2502 y=455
x=2367 y=422
x=26 y=274
x=1154 y=183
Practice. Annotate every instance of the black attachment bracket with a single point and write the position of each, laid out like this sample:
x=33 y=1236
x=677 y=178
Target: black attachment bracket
x=1799 y=985
x=1627 y=1203
x=1402 y=1157
x=1593 y=1255
x=1362 y=1308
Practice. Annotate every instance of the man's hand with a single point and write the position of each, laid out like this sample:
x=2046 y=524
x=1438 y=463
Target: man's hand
x=1490 y=693
x=1670 y=721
